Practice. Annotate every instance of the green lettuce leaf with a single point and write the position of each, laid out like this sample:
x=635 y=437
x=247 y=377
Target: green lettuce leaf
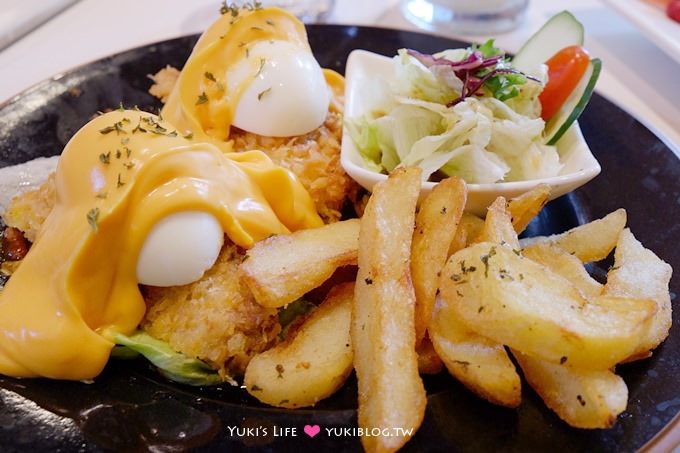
x=171 y=364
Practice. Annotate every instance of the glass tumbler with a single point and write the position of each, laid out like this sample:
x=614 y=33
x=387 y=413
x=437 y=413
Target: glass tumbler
x=475 y=17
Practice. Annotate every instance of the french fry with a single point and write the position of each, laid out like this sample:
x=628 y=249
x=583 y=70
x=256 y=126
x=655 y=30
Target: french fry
x=638 y=272
x=517 y=302
x=469 y=227
x=436 y=224
x=312 y=362
x=591 y=241
x=284 y=267
x=565 y=264
x=428 y=359
x=527 y=206
x=391 y=392
x=582 y=398
x=498 y=226
x=480 y=364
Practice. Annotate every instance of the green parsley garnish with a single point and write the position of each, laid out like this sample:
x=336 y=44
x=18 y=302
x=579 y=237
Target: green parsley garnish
x=202 y=99
x=93 y=219
x=138 y=127
x=263 y=61
x=234 y=8
x=485 y=260
x=263 y=93
x=117 y=127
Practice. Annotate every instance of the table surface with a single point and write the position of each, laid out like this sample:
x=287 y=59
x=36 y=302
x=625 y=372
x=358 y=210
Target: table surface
x=637 y=75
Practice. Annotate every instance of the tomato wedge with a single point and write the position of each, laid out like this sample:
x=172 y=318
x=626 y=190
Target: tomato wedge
x=673 y=10
x=565 y=70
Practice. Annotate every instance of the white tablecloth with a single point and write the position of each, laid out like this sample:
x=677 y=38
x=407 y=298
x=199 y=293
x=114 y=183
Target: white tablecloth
x=637 y=76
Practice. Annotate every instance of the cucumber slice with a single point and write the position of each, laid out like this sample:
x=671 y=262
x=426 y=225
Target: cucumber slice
x=575 y=103
x=560 y=31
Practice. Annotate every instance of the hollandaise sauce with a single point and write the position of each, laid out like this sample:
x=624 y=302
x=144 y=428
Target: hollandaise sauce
x=261 y=49
x=119 y=176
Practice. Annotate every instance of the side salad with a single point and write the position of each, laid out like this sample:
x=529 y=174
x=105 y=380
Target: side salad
x=477 y=113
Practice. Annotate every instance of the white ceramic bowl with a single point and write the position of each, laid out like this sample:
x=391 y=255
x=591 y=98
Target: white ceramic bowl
x=580 y=166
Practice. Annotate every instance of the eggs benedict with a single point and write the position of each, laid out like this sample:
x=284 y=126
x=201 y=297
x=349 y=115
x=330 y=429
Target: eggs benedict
x=253 y=69
x=251 y=82
x=125 y=184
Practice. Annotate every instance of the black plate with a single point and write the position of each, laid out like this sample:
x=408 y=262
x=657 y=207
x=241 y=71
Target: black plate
x=130 y=407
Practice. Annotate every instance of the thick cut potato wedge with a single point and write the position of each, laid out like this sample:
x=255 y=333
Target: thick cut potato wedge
x=469 y=227
x=582 y=398
x=517 y=302
x=498 y=226
x=565 y=264
x=284 y=267
x=589 y=242
x=428 y=359
x=436 y=224
x=480 y=364
x=638 y=272
x=313 y=362
x=391 y=392
x=527 y=206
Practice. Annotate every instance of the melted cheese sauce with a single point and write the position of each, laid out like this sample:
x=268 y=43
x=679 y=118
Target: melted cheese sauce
x=117 y=177
x=200 y=104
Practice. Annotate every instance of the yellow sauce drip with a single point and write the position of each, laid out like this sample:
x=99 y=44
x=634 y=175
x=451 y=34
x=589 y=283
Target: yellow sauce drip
x=200 y=104
x=118 y=176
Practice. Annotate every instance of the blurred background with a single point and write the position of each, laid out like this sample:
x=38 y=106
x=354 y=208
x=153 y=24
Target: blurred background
x=638 y=43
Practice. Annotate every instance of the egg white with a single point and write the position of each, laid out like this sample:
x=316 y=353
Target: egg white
x=288 y=95
x=179 y=249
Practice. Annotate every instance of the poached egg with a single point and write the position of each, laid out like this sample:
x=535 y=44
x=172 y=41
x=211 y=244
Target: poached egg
x=135 y=201
x=287 y=96
x=179 y=249
x=254 y=71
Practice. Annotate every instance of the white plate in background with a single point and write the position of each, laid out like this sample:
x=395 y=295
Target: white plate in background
x=20 y=17
x=652 y=22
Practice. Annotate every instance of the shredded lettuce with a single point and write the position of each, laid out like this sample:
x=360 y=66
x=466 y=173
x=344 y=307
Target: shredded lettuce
x=424 y=117
x=415 y=80
x=171 y=364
